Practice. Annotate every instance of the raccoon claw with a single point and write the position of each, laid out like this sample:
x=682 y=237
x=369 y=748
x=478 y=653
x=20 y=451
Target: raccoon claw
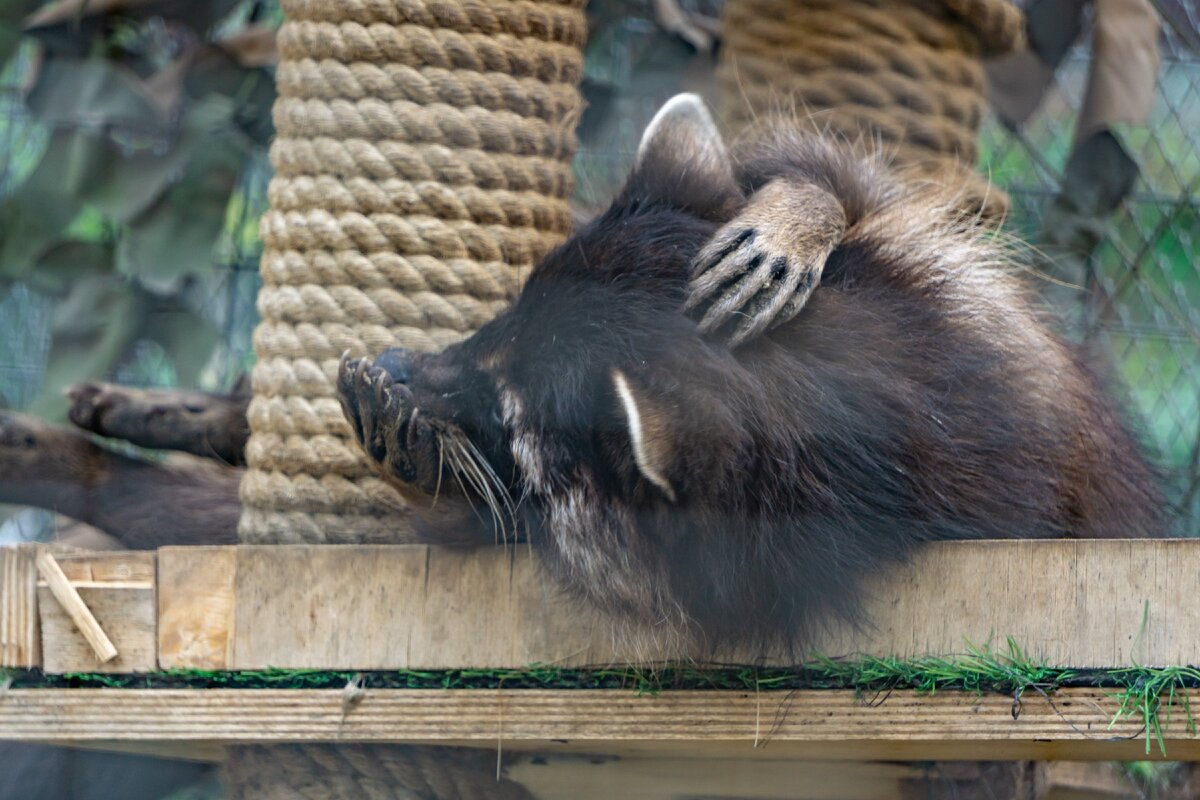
x=760 y=269
x=347 y=369
x=744 y=285
x=378 y=410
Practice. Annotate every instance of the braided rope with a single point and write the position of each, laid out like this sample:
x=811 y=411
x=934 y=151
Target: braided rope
x=416 y=46
x=365 y=772
x=422 y=166
x=903 y=74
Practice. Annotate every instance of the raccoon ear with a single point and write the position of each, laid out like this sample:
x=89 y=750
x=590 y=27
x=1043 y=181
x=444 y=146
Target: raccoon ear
x=682 y=162
x=650 y=434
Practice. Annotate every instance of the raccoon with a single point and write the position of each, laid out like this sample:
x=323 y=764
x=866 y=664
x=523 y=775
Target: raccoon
x=755 y=379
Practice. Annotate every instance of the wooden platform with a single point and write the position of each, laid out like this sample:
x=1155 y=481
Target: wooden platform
x=1074 y=724
x=1071 y=604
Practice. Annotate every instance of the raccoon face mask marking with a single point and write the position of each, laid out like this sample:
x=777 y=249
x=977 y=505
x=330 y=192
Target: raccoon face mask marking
x=724 y=496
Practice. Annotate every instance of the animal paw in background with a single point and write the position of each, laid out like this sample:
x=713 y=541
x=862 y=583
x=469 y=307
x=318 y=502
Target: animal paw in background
x=760 y=269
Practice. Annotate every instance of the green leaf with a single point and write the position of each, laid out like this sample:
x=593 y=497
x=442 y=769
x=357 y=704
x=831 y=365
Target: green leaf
x=80 y=168
x=99 y=94
x=251 y=90
x=67 y=263
x=186 y=337
x=30 y=222
x=174 y=239
x=12 y=13
x=92 y=329
x=63 y=15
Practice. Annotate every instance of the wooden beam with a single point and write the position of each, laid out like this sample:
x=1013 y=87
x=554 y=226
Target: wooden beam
x=1073 y=604
x=1079 y=605
x=1073 y=724
x=20 y=637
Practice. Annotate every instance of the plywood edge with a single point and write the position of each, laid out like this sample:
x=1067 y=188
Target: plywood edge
x=1070 y=724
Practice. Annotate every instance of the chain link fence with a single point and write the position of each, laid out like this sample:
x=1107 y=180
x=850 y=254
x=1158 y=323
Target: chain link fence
x=1140 y=303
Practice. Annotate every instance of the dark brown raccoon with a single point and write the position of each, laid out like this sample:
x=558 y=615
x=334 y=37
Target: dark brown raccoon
x=736 y=495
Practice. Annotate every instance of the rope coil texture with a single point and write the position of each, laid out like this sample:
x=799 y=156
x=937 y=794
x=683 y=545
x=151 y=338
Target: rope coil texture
x=422 y=166
x=365 y=772
x=902 y=75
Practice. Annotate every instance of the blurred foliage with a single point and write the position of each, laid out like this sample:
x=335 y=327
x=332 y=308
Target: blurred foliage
x=147 y=113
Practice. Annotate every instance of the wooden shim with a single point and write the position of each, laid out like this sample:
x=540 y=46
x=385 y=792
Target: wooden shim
x=20 y=639
x=1073 y=725
x=1068 y=603
x=118 y=590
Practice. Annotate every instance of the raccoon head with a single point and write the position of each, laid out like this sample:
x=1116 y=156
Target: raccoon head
x=552 y=385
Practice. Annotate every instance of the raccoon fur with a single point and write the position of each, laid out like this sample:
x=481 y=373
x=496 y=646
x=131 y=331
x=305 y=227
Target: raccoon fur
x=731 y=489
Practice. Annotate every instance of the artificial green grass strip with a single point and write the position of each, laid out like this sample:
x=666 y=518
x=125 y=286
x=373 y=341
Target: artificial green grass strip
x=1152 y=694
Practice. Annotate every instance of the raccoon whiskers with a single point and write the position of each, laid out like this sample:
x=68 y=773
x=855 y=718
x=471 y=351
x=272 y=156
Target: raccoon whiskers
x=499 y=487
x=467 y=463
x=437 y=489
x=457 y=473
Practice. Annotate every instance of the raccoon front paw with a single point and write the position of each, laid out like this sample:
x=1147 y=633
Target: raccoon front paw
x=760 y=269
x=379 y=409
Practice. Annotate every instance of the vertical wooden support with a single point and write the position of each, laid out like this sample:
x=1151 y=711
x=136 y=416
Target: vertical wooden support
x=20 y=637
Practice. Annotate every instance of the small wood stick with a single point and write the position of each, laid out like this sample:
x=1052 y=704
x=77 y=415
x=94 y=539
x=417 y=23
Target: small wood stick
x=76 y=609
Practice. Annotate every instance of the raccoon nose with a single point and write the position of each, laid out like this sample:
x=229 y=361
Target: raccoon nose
x=397 y=362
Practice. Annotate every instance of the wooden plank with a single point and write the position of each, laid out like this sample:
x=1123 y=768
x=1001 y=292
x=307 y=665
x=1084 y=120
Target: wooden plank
x=69 y=601
x=403 y=607
x=196 y=607
x=836 y=725
x=603 y=778
x=121 y=566
x=1074 y=604
x=20 y=637
x=1075 y=781
x=118 y=589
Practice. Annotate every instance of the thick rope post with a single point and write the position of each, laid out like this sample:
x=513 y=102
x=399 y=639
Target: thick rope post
x=905 y=76
x=422 y=166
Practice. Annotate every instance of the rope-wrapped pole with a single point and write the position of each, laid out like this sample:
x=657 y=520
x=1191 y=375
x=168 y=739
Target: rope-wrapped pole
x=422 y=166
x=905 y=76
